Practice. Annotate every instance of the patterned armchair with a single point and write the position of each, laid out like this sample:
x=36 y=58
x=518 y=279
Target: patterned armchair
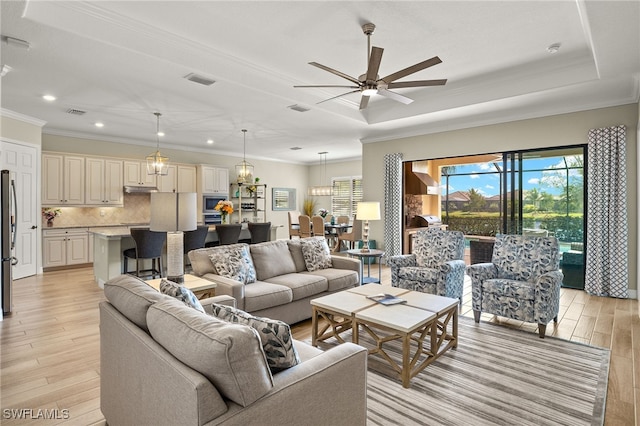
x=436 y=265
x=522 y=281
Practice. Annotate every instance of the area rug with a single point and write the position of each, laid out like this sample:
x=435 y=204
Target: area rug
x=496 y=376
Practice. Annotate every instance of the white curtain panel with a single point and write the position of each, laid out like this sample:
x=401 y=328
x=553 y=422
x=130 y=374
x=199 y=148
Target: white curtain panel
x=393 y=204
x=607 y=269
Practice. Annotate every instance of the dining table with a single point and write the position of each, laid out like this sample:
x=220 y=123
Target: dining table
x=334 y=231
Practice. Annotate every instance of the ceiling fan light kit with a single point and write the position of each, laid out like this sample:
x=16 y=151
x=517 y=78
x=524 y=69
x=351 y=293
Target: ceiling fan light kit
x=370 y=83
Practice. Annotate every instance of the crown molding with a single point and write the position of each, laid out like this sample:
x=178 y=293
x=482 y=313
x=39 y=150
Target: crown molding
x=21 y=117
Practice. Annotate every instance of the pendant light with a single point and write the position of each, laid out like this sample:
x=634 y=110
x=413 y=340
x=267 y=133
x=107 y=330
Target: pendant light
x=321 y=190
x=244 y=170
x=156 y=162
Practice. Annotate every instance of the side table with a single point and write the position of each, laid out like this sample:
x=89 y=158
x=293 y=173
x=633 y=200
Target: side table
x=201 y=287
x=363 y=255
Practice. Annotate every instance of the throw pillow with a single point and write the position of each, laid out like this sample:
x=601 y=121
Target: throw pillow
x=235 y=263
x=181 y=293
x=316 y=253
x=275 y=336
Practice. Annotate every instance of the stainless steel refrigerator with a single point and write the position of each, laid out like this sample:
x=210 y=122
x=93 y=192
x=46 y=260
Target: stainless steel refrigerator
x=8 y=234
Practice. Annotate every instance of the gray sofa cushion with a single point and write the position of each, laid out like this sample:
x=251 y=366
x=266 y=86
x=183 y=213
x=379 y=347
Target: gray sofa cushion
x=229 y=355
x=302 y=285
x=275 y=336
x=272 y=259
x=132 y=297
x=337 y=279
x=295 y=248
x=261 y=295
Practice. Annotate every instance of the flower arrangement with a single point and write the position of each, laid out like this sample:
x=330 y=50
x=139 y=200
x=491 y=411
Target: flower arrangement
x=50 y=213
x=224 y=207
x=323 y=213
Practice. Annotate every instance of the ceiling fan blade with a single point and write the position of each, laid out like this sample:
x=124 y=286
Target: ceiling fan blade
x=344 y=94
x=412 y=69
x=336 y=72
x=329 y=85
x=395 y=96
x=364 y=102
x=374 y=63
x=419 y=83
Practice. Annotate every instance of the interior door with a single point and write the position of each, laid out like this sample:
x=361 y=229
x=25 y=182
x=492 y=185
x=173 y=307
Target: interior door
x=21 y=160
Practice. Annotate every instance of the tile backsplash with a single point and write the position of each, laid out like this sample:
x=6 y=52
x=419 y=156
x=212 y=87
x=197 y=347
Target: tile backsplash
x=137 y=209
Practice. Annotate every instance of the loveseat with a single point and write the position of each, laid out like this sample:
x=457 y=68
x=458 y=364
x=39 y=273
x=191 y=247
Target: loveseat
x=276 y=279
x=165 y=363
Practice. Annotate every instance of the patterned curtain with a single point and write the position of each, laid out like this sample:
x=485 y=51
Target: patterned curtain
x=393 y=204
x=607 y=233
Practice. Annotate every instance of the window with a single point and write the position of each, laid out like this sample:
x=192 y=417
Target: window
x=347 y=192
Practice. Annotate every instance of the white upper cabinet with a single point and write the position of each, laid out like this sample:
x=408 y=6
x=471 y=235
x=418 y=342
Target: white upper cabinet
x=135 y=174
x=213 y=180
x=104 y=182
x=63 y=180
x=181 y=178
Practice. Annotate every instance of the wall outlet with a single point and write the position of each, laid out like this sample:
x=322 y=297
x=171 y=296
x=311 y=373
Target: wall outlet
x=102 y=213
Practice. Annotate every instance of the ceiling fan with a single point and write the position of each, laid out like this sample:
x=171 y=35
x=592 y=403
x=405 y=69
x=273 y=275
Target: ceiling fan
x=370 y=83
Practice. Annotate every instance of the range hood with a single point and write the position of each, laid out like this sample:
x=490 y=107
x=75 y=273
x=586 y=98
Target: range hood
x=140 y=189
x=417 y=181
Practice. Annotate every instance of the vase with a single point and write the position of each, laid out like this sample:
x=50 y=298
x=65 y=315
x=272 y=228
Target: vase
x=224 y=219
x=49 y=223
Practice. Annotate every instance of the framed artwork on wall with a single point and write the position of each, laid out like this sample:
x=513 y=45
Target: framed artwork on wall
x=284 y=199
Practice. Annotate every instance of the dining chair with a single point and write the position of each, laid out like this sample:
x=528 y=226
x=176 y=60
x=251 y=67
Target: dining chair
x=294 y=225
x=305 y=226
x=351 y=237
x=317 y=223
x=148 y=245
x=342 y=220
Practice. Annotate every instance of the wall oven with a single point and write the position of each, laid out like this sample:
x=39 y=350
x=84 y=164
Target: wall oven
x=210 y=215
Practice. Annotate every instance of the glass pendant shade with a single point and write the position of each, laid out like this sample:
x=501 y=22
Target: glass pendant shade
x=156 y=162
x=244 y=170
x=321 y=190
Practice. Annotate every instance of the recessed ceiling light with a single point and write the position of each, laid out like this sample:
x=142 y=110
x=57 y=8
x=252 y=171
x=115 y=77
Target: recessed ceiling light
x=99 y=124
x=553 y=48
x=49 y=98
x=160 y=133
x=210 y=141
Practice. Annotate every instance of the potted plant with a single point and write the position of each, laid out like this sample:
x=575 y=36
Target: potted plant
x=49 y=214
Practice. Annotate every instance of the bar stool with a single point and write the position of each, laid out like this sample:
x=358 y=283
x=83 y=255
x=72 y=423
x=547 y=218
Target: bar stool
x=194 y=240
x=228 y=234
x=260 y=232
x=149 y=245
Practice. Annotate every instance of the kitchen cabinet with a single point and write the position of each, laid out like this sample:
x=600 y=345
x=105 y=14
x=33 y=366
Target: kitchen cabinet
x=213 y=180
x=135 y=174
x=104 y=182
x=63 y=247
x=181 y=178
x=63 y=180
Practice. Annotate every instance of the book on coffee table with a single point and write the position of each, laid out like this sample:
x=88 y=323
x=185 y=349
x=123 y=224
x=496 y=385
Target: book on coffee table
x=386 y=299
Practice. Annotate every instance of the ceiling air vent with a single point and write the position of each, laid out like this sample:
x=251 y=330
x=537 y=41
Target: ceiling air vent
x=199 y=79
x=295 y=148
x=76 y=111
x=298 y=108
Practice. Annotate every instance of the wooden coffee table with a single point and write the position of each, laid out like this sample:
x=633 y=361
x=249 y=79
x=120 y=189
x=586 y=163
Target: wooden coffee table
x=429 y=321
x=201 y=287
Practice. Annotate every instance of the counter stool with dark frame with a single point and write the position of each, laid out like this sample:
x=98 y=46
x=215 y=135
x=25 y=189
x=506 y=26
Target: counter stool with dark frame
x=227 y=234
x=194 y=240
x=260 y=232
x=149 y=245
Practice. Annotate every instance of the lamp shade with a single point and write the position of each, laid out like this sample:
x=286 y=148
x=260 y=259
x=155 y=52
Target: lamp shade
x=368 y=210
x=173 y=211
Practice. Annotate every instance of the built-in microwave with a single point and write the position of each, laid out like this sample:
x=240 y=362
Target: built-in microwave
x=209 y=203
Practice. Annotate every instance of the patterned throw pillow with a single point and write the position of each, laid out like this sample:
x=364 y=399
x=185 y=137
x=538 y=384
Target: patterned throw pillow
x=234 y=263
x=275 y=336
x=316 y=253
x=181 y=293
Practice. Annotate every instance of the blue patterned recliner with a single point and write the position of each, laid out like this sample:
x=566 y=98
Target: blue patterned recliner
x=435 y=266
x=522 y=281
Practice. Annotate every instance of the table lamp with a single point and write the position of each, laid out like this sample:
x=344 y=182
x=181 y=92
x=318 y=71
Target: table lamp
x=367 y=210
x=173 y=213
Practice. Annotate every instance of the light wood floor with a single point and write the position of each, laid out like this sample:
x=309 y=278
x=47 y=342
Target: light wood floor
x=50 y=354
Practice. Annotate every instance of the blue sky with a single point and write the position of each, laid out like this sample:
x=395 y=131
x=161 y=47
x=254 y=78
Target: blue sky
x=489 y=185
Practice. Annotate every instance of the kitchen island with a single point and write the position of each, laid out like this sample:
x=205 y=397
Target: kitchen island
x=110 y=242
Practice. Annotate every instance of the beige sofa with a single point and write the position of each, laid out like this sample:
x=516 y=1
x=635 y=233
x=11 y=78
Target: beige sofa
x=148 y=342
x=284 y=285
